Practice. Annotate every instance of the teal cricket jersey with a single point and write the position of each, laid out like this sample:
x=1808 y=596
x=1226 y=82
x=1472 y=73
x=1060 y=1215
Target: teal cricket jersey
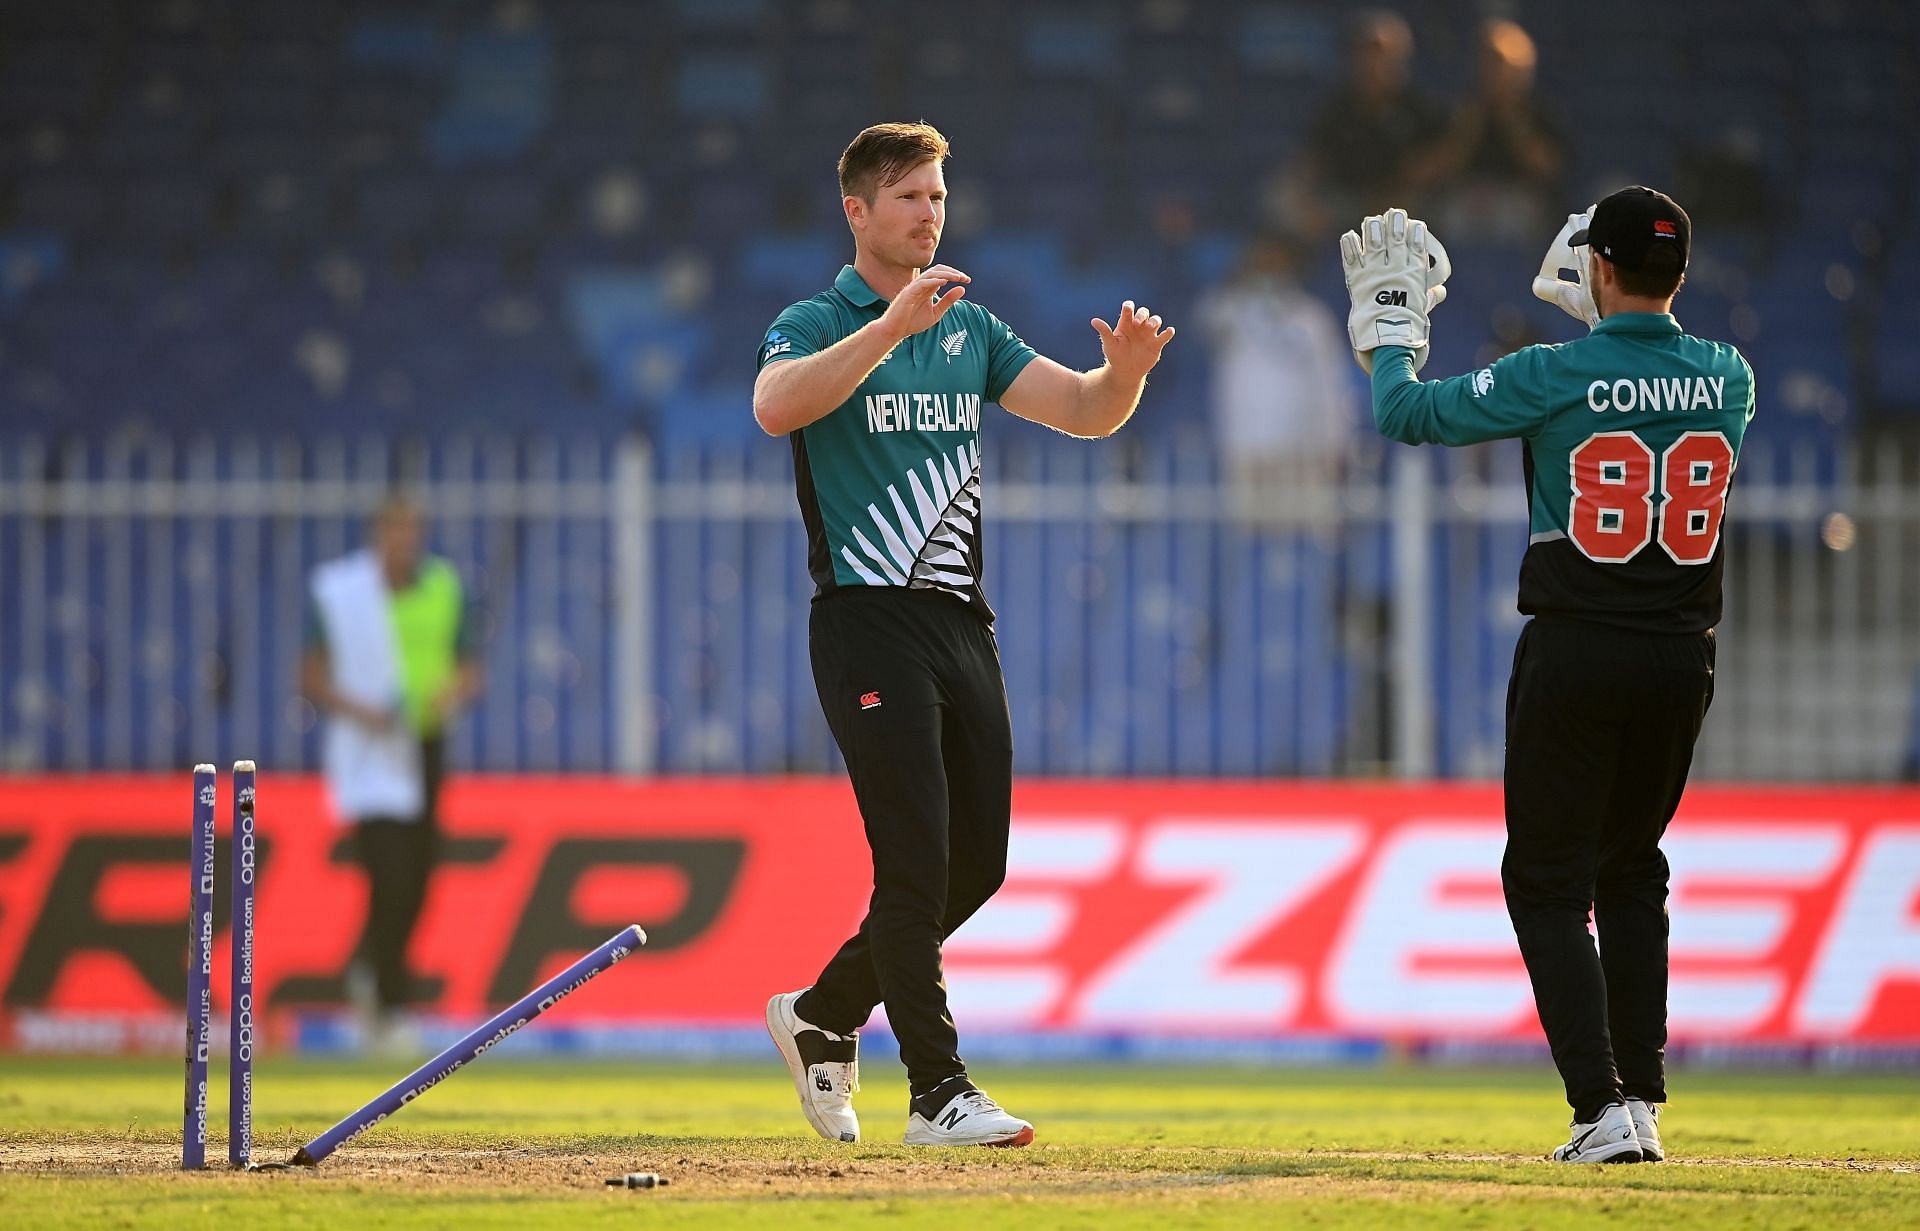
x=889 y=481
x=1631 y=438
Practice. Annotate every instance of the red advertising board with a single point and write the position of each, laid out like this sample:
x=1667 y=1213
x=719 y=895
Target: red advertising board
x=1262 y=909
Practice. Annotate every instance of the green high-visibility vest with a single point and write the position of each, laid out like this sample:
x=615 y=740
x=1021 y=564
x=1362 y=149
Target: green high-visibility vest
x=426 y=636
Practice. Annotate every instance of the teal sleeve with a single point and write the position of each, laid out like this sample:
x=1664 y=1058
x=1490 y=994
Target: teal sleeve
x=796 y=333
x=1007 y=356
x=1509 y=399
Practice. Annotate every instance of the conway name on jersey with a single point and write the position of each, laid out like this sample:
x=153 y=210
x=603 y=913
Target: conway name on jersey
x=1631 y=436
x=889 y=480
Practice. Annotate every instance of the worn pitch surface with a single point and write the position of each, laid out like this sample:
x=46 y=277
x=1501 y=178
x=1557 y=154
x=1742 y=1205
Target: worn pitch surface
x=95 y=1143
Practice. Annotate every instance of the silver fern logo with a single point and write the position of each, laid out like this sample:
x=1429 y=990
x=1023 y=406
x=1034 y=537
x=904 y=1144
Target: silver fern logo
x=933 y=544
x=952 y=344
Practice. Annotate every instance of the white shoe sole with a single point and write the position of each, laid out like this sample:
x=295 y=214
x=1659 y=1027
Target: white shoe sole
x=783 y=1039
x=1613 y=1152
x=1014 y=1140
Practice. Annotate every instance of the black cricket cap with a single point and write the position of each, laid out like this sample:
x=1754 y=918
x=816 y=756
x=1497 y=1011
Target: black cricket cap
x=1631 y=225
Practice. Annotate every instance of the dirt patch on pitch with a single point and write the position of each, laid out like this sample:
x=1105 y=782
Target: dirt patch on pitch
x=713 y=1170
x=770 y=1168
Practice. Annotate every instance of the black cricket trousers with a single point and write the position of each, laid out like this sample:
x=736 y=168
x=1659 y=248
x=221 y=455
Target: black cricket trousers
x=399 y=854
x=1601 y=724
x=911 y=684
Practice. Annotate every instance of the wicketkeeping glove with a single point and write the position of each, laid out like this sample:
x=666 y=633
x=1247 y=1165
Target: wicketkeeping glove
x=1395 y=271
x=1573 y=298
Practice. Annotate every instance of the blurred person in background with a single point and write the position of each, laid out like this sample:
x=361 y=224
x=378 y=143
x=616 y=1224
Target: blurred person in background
x=1285 y=409
x=1363 y=150
x=1500 y=157
x=390 y=660
x=1286 y=421
x=878 y=383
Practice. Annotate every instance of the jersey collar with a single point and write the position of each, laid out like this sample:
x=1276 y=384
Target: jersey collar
x=854 y=289
x=1639 y=322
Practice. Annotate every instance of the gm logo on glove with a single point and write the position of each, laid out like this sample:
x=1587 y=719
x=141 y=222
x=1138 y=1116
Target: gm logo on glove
x=1395 y=272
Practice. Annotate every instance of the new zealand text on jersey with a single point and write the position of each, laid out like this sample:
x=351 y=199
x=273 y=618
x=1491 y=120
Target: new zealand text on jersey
x=923 y=412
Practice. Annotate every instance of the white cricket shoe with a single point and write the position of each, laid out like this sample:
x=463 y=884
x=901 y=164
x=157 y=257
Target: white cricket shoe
x=825 y=1068
x=969 y=1118
x=1646 y=1127
x=1609 y=1139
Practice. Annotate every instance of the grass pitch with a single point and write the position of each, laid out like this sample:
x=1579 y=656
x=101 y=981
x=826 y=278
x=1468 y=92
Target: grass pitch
x=94 y=1143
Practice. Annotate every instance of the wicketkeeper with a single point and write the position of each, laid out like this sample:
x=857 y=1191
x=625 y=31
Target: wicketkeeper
x=1630 y=437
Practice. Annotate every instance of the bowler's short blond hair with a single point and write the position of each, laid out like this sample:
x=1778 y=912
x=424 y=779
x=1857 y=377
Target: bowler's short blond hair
x=882 y=156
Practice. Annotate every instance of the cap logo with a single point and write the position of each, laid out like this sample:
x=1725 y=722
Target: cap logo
x=1665 y=229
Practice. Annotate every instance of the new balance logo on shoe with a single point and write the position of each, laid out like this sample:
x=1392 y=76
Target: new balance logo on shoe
x=822 y=1082
x=969 y=1118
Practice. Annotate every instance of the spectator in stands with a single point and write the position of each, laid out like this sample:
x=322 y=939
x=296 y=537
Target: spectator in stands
x=1363 y=150
x=1500 y=157
x=1285 y=416
x=390 y=660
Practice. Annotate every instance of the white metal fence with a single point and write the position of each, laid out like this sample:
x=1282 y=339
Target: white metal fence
x=646 y=611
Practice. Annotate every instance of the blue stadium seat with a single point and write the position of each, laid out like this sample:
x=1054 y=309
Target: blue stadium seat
x=28 y=263
x=723 y=85
x=307 y=125
x=144 y=144
x=501 y=97
x=499 y=207
x=69 y=202
x=1028 y=260
x=1896 y=356
x=402 y=42
x=396 y=204
x=1072 y=43
x=284 y=204
x=58 y=81
x=793 y=266
x=708 y=413
x=722 y=14
x=1286 y=42
x=169 y=207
